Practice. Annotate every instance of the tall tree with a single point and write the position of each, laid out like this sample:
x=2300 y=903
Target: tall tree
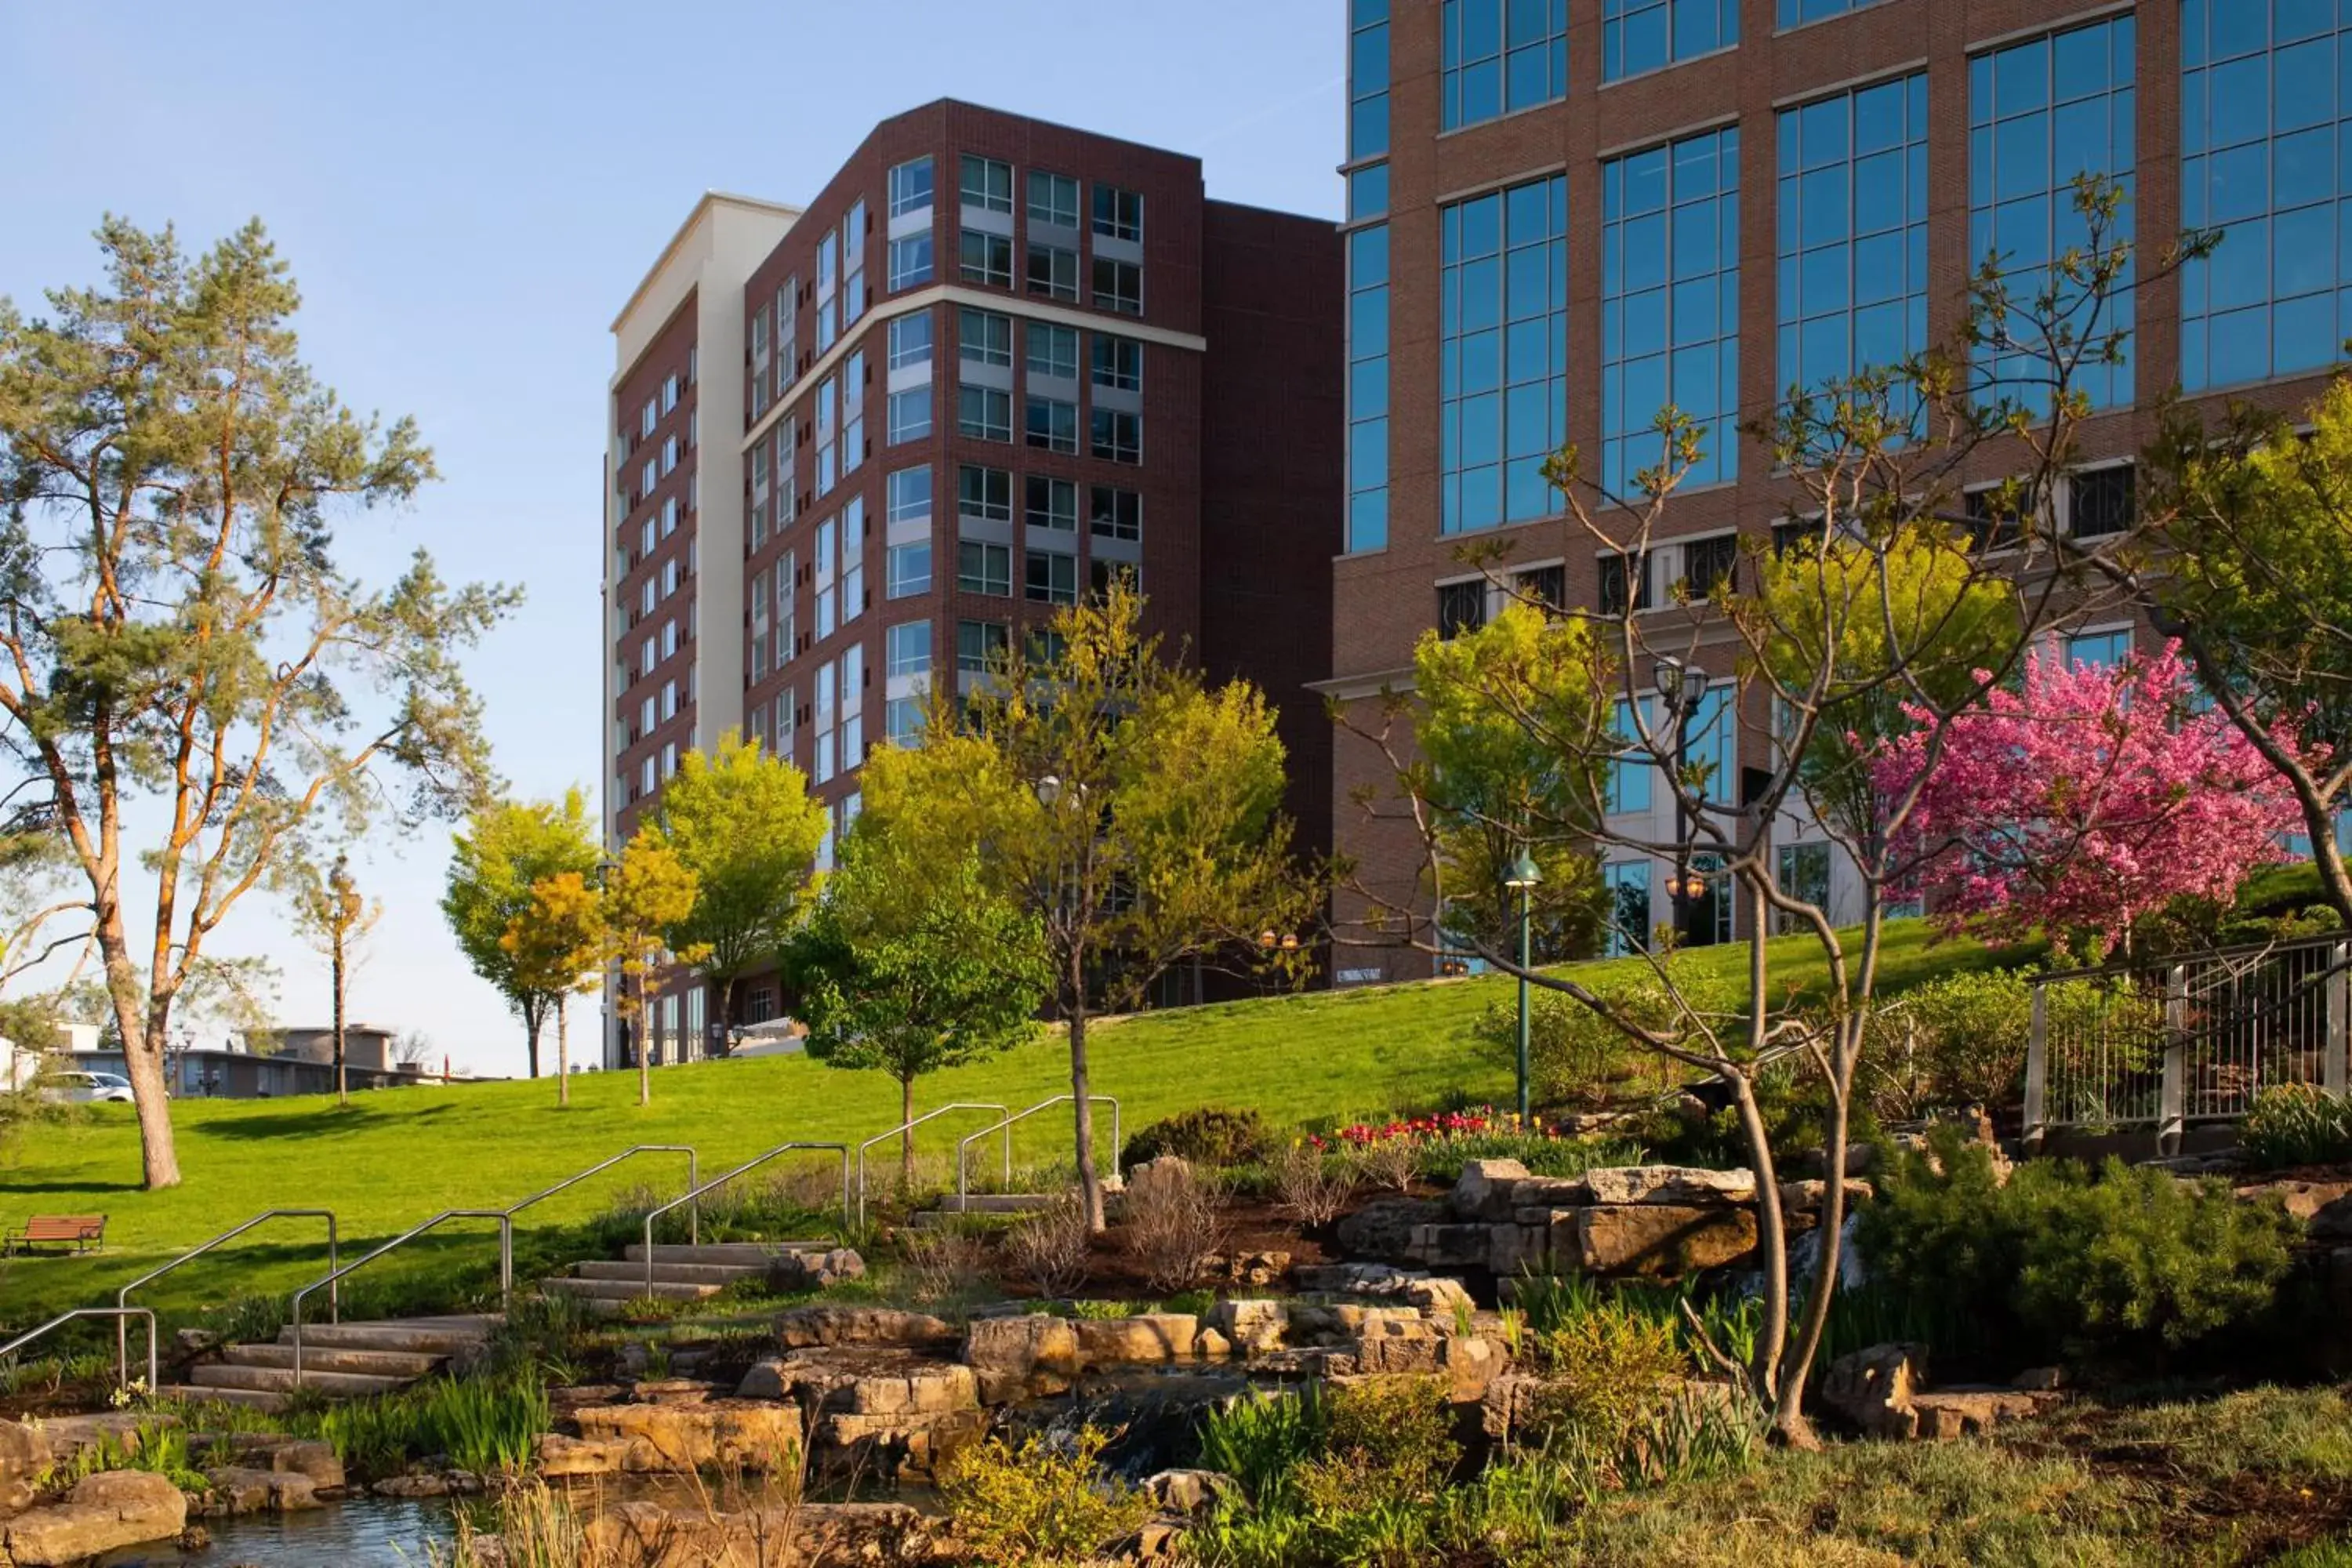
x=648 y=892
x=556 y=948
x=909 y=985
x=331 y=912
x=742 y=822
x=173 y=625
x=1130 y=810
x=508 y=848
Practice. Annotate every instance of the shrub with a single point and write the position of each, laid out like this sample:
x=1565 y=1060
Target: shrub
x=2125 y=1262
x=1386 y=1443
x=1313 y=1183
x=1172 y=1223
x=489 y=1425
x=1260 y=1438
x=944 y=1266
x=1211 y=1135
x=1609 y=1369
x=1543 y=1153
x=2297 y=1125
x=1575 y=1057
x=1049 y=1248
x=1036 y=1504
x=1956 y=1041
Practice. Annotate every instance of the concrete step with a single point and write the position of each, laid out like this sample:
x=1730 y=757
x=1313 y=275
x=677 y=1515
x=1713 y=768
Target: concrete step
x=328 y=1358
x=619 y=1290
x=675 y=1273
x=427 y=1336
x=280 y=1379
x=748 y=1253
x=995 y=1202
x=255 y=1398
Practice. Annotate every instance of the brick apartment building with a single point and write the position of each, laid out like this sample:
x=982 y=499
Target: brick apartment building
x=1564 y=214
x=992 y=364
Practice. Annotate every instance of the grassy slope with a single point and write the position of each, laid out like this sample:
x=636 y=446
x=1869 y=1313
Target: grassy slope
x=393 y=1157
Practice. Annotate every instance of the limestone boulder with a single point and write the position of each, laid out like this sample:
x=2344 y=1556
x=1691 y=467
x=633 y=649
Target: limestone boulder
x=918 y=1391
x=1250 y=1326
x=804 y=1328
x=1874 y=1388
x=675 y=1440
x=314 y=1461
x=1682 y=1185
x=891 y=1447
x=1458 y=1245
x=1033 y=1354
x=1149 y=1338
x=24 y=1455
x=764 y=1380
x=1944 y=1414
x=2324 y=1207
x=1212 y=1345
x=654 y=1535
x=563 y=1458
x=809 y=1270
x=1189 y=1491
x=104 y=1512
x=1383 y=1230
x=1661 y=1240
x=1484 y=1189
x=1543 y=1193
x=1251 y=1270
x=231 y=1489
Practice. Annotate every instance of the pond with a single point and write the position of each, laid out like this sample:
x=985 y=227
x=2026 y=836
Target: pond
x=364 y=1533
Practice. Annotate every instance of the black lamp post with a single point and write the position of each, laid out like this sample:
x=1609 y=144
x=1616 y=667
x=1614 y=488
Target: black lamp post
x=1683 y=686
x=1524 y=878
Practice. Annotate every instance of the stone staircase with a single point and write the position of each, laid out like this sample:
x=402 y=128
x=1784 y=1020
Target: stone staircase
x=684 y=1273
x=341 y=1361
x=950 y=1208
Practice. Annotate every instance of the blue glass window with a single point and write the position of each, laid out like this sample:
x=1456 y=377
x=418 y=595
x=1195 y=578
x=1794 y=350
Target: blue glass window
x=1796 y=13
x=1853 y=232
x=2041 y=113
x=2109 y=648
x=2265 y=157
x=1368 y=388
x=1368 y=78
x=1639 y=35
x=1629 y=777
x=1670 y=304
x=1628 y=882
x=1368 y=192
x=1714 y=743
x=1502 y=354
x=1501 y=55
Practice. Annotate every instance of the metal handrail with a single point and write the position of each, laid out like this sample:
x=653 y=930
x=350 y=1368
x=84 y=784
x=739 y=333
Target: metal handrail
x=506 y=1266
x=695 y=1215
x=117 y=1312
x=720 y=1181
x=907 y=1127
x=1005 y=1126
x=123 y=1297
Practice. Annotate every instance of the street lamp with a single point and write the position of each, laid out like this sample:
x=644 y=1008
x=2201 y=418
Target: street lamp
x=1683 y=686
x=1049 y=790
x=1525 y=878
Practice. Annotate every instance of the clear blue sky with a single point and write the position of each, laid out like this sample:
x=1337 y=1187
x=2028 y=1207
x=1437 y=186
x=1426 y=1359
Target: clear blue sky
x=468 y=192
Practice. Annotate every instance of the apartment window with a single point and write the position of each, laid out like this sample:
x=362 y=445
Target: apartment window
x=1805 y=876
x=978 y=643
x=1460 y=607
x=646 y=538
x=1495 y=59
x=1852 y=233
x=907 y=570
x=1119 y=214
x=670 y=393
x=1669 y=305
x=853 y=254
x=669 y=700
x=910 y=415
x=1707 y=563
x=909 y=493
x=1614 y=571
x=1118 y=434
x=1368 y=192
x=1545 y=588
x=911 y=260
x=1117 y=362
x=985 y=337
x=828 y=284
x=645 y=776
x=985 y=493
x=1368 y=388
x=1052 y=350
x=987 y=183
x=902 y=721
x=2041 y=113
x=646 y=420
x=1639 y=35
x=646 y=597
x=1113 y=513
x=984 y=568
x=1104 y=574
x=853 y=412
x=646 y=658
x=648 y=477
x=984 y=413
x=1714 y=742
x=910 y=185
x=1051 y=424
x=1053 y=577
x=1053 y=199
x=1796 y=13
x=906 y=648
x=985 y=258
x=852 y=559
x=2105 y=649
x=669 y=516
x=1628 y=883
x=910 y=341
x=1994 y=521
x=649 y=714
x=2101 y=501
x=2264 y=155
x=1051 y=503
x=1054 y=271
x=1502 y=354
x=1119 y=286
x=670 y=577
x=1367 y=78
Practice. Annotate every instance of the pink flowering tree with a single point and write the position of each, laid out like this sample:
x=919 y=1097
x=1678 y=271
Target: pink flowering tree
x=2089 y=799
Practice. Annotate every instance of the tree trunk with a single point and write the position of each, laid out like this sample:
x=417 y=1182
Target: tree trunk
x=906 y=1138
x=644 y=1047
x=142 y=1062
x=534 y=1018
x=562 y=1053
x=342 y=1083
x=1089 y=1183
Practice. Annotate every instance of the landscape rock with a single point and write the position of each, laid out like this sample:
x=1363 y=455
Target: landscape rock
x=1212 y=1345
x=1874 y=1388
x=765 y=1380
x=1438 y=1297
x=1661 y=1240
x=671 y=1391
x=1551 y=1192
x=2324 y=1207
x=68 y=1435
x=1383 y=1229
x=1484 y=1188
x=195 y=1342
x=1682 y=1185
x=1251 y=1270
x=316 y=1461
x=1513 y=1250
x=103 y=1513
x=1189 y=1491
x=1147 y=1338
x=1035 y=1353
x=234 y=1490
x=815 y=1535
x=24 y=1453
x=814 y=1271
x=889 y=1448
x=920 y=1390
x=1250 y=1326
x=562 y=1458
x=805 y=1327
x=1808 y=1196
x=675 y=1439
x=2040 y=1379
x=1451 y=1246
x=1948 y=1412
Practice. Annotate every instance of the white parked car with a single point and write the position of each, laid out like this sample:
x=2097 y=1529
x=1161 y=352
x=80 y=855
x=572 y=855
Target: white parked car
x=90 y=1088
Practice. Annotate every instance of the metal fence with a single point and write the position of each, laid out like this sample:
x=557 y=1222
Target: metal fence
x=2195 y=1037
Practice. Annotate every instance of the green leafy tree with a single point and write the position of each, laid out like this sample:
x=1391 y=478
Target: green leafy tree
x=331 y=912
x=508 y=848
x=556 y=948
x=177 y=643
x=1127 y=808
x=646 y=893
x=743 y=823
x=908 y=986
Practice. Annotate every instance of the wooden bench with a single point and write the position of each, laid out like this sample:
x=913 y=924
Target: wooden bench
x=81 y=1231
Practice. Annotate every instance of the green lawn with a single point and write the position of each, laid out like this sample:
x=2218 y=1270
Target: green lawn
x=395 y=1157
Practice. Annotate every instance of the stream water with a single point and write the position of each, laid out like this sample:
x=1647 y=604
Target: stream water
x=362 y=1532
